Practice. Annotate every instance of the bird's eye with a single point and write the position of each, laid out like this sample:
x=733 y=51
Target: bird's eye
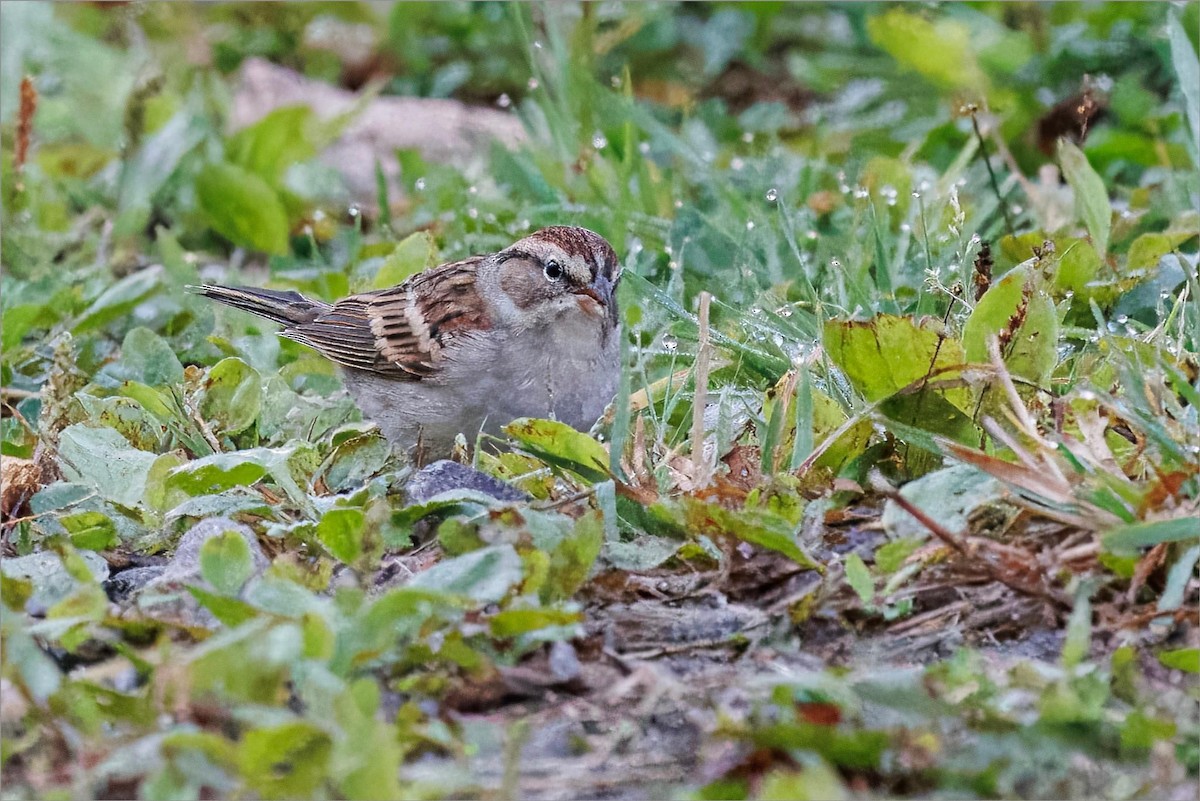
x=553 y=270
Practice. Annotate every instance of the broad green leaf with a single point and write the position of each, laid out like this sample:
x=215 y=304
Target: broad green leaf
x=341 y=532
x=214 y=473
x=91 y=531
x=147 y=359
x=1187 y=659
x=572 y=559
x=1091 y=197
x=230 y=611
x=357 y=459
x=243 y=208
x=1148 y=249
x=127 y=417
x=232 y=395
x=511 y=622
x=104 y=460
x=562 y=446
x=271 y=145
x=1016 y=300
x=120 y=298
x=485 y=575
x=859 y=578
x=952 y=496
x=286 y=761
x=226 y=563
x=940 y=50
x=413 y=254
x=751 y=525
x=887 y=353
x=890 y=557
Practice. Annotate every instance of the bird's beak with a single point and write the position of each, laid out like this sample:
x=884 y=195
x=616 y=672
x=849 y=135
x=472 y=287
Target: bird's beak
x=600 y=290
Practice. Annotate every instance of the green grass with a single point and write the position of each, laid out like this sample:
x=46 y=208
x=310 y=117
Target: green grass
x=854 y=344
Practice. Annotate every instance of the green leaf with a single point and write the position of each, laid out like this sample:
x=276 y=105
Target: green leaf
x=1091 y=197
x=572 y=559
x=148 y=359
x=511 y=622
x=230 y=611
x=562 y=446
x=1078 y=641
x=1031 y=352
x=890 y=557
x=1187 y=659
x=860 y=579
x=103 y=459
x=286 y=761
x=1187 y=70
x=226 y=563
x=90 y=531
x=485 y=575
x=1141 y=535
x=119 y=298
x=232 y=395
x=940 y=50
x=887 y=353
x=271 y=145
x=413 y=254
x=341 y=532
x=243 y=208
x=215 y=473
x=750 y=525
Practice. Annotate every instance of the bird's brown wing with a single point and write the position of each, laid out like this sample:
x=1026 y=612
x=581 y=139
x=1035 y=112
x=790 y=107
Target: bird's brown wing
x=401 y=332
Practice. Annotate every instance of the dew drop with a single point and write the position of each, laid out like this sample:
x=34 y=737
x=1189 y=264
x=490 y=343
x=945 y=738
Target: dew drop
x=811 y=234
x=473 y=213
x=736 y=164
x=1016 y=209
x=755 y=311
x=420 y=184
x=772 y=195
x=472 y=190
x=670 y=344
x=537 y=45
x=599 y=141
x=615 y=81
x=1123 y=318
x=679 y=204
x=643 y=148
x=749 y=225
x=747 y=137
x=504 y=101
x=905 y=227
x=784 y=311
x=533 y=84
x=916 y=195
x=834 y=263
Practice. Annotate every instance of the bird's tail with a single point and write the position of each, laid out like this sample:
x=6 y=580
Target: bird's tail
x=289 y=308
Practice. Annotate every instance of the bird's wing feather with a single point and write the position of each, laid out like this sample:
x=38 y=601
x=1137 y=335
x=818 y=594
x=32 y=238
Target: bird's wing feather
x=403 y=332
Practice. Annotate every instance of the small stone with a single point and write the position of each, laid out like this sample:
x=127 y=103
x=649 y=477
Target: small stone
x=446 y=476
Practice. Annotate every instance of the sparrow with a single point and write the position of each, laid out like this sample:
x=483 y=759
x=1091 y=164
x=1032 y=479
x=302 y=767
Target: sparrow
x=468 y=346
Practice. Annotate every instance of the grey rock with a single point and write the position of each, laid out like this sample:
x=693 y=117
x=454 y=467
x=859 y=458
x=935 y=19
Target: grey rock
x=166 y=597
x=121 y=586
x=447 y=476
